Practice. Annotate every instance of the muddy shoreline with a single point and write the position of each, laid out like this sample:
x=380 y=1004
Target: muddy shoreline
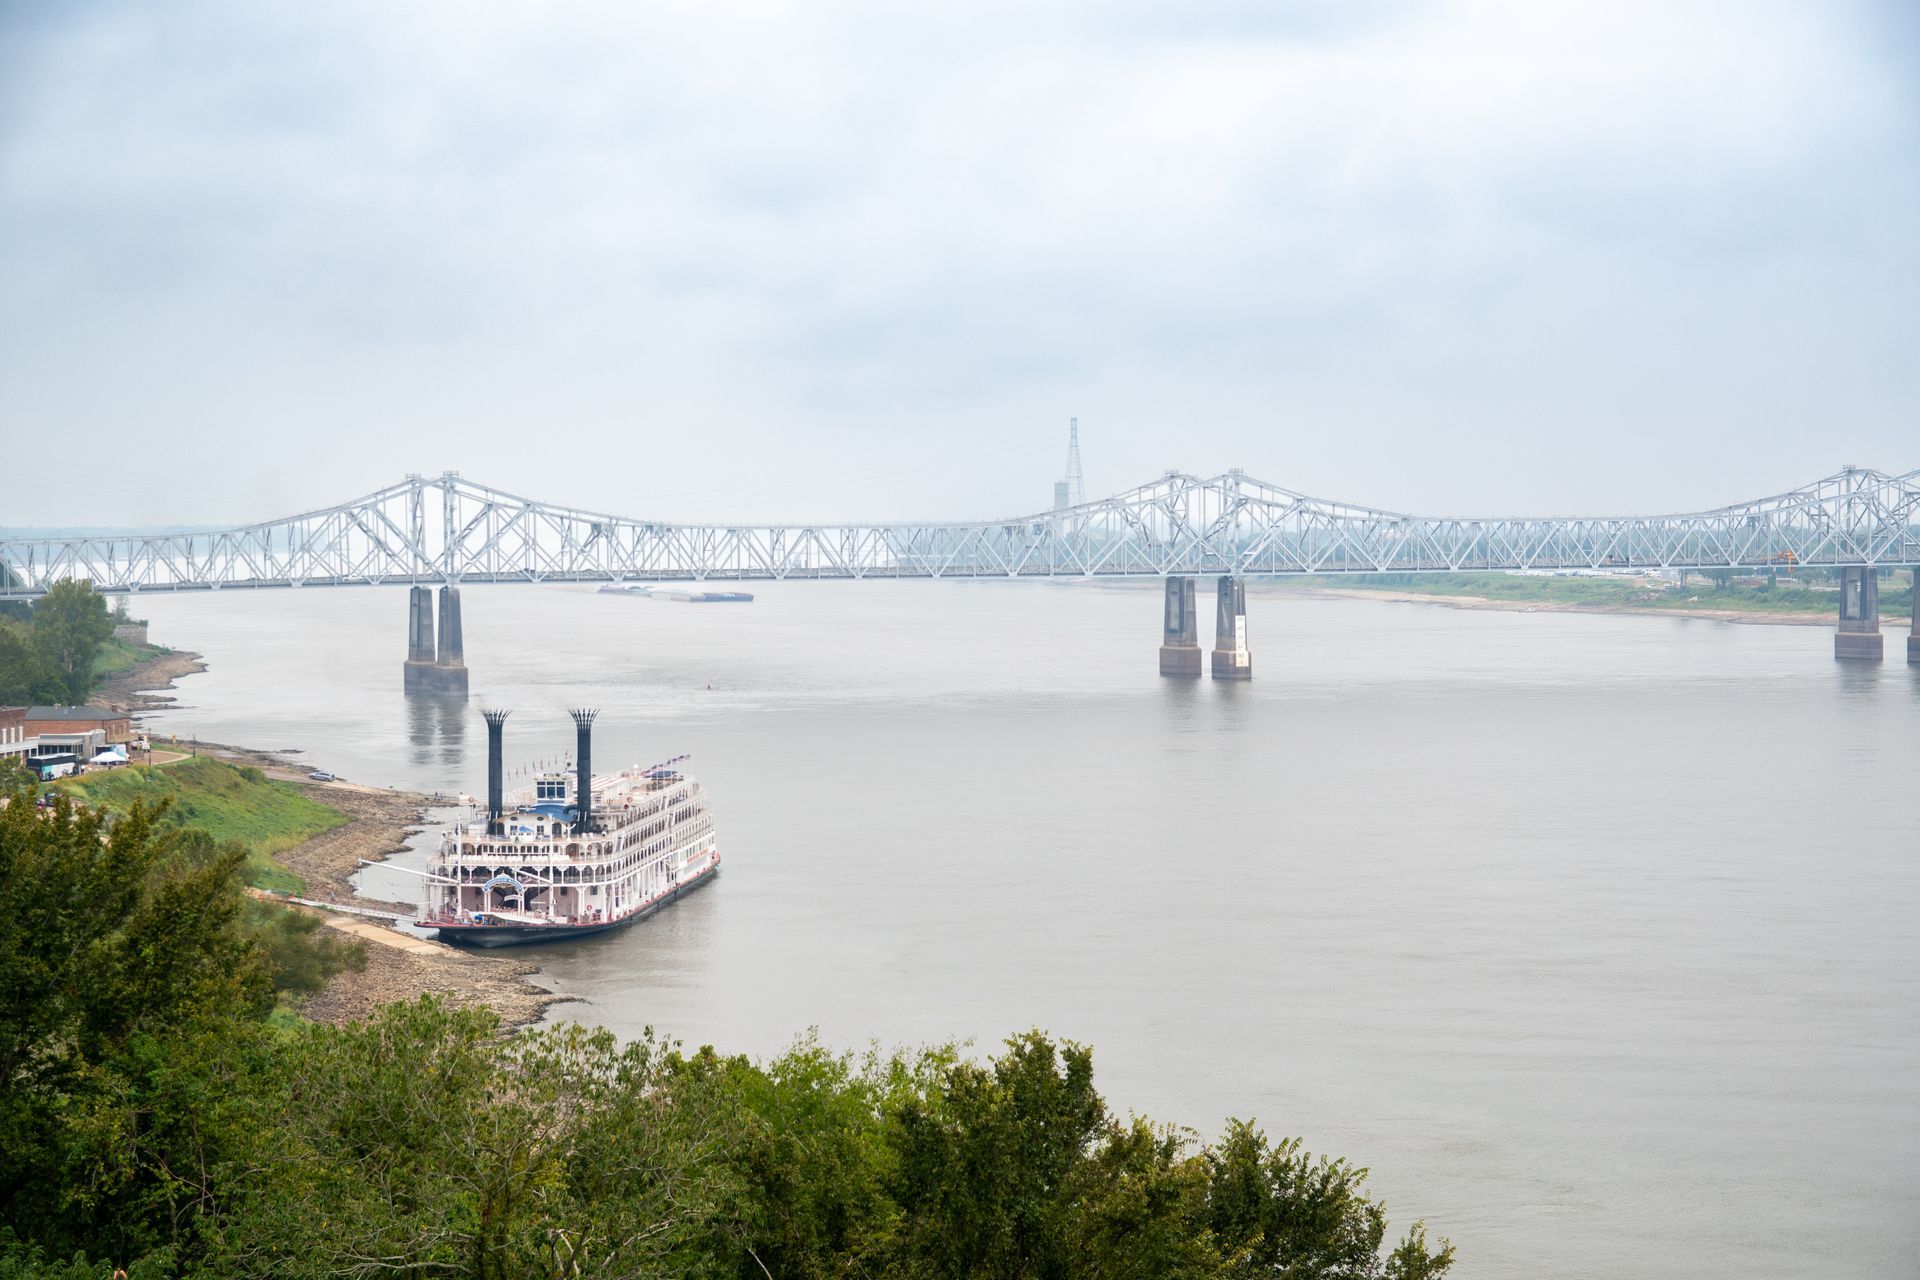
x=400 y=966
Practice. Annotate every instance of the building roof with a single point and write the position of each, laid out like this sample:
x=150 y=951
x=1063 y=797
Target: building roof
x=74 y=713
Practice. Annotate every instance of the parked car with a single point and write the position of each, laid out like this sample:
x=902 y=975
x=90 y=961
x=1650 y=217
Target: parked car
x=321 y=775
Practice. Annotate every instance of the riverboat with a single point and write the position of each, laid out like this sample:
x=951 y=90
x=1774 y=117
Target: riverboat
x=575 y=854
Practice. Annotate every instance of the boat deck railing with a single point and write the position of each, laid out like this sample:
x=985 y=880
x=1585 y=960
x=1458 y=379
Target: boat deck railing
x=618 y=818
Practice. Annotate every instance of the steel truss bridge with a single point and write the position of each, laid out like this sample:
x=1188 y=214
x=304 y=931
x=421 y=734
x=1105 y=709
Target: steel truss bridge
x=446 y=529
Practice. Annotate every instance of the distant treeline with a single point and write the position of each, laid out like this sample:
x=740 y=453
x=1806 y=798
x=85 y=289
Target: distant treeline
x=1777 y=591
x=154 y=1116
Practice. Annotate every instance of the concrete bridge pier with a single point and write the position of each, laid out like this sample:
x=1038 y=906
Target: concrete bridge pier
x=1180 y=631
x=420 y=624
x=1231 y=658
x=435 y=667
x=419 y=637
x=452 y=650
x=1913 y=636
x=1859 y=638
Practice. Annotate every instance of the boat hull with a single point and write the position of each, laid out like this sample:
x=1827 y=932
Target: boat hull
x=518 y=935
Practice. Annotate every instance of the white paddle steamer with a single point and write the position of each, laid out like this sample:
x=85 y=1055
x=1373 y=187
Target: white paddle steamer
x=572 y=856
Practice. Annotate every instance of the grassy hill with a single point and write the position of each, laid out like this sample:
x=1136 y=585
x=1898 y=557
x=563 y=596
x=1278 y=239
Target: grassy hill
x=117 y=656
x=227 y=801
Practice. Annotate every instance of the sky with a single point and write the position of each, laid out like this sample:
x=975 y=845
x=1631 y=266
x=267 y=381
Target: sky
x=839 y=261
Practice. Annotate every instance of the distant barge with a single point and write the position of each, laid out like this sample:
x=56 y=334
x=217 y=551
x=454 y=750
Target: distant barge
x=685 y=595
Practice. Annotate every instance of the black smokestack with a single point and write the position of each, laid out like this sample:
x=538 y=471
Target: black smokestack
x=496 y=770
x=583 y=751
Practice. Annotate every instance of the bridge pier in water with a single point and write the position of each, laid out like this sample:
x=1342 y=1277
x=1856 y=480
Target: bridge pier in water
x=1913 y=636
x=1231 y=658
x=435 y=665
x=1180 y=631
x=1859 y=638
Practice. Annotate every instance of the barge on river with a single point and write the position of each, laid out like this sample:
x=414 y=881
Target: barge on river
x=572 y=856
x=685 y=595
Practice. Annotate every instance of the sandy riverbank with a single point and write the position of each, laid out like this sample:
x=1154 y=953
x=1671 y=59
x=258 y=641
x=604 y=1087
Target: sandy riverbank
x=399 y=965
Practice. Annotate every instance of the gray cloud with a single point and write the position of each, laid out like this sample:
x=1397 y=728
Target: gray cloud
x=846 y=260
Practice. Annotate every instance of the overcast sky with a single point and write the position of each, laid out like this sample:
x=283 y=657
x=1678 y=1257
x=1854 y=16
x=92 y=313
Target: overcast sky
x=844 y=260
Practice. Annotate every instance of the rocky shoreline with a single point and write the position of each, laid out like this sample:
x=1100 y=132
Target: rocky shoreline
x=462 y=978
x=147 y=686
x=400 y=966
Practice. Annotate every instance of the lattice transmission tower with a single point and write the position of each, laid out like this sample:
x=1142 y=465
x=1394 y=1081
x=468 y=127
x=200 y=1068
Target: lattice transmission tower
x=1076 y=481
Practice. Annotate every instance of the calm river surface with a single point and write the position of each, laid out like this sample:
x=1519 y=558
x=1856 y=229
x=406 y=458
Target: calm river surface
x=1597 y=938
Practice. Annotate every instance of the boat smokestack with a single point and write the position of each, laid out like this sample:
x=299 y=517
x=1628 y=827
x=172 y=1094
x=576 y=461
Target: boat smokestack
x=496 y=769
x=583 y=753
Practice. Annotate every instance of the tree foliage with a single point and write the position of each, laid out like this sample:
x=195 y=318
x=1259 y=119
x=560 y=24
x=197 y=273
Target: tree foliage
x=25 y=676
x=297 y=951
x=70 y=624
x=121 y=958
x=427 y=1140
x=151 y=1117
x=48 y=653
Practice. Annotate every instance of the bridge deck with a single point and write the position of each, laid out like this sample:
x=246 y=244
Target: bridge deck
x=447 y=529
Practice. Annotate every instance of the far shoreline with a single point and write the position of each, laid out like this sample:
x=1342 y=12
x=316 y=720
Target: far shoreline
x=1389 y=595
x=1303 y=587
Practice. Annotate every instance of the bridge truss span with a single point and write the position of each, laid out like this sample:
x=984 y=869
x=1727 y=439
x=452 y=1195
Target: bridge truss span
x=446 y=529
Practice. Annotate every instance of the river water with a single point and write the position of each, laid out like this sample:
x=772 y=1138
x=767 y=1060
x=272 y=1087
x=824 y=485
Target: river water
x=1596 y=938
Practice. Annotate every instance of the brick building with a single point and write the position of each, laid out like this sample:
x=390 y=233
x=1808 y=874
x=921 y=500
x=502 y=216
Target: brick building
x=13 y=731
x=115 y=726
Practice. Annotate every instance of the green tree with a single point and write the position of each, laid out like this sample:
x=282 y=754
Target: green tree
x=12 y=610
x=812 y=1160
x=299 y=952
x=30 y=1262
x=424 y=1143
x=986 y=1162
x=124 y=970
x=1281 y=1212
x=25 y=676
x=1140 y=1209
x=70 y=624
